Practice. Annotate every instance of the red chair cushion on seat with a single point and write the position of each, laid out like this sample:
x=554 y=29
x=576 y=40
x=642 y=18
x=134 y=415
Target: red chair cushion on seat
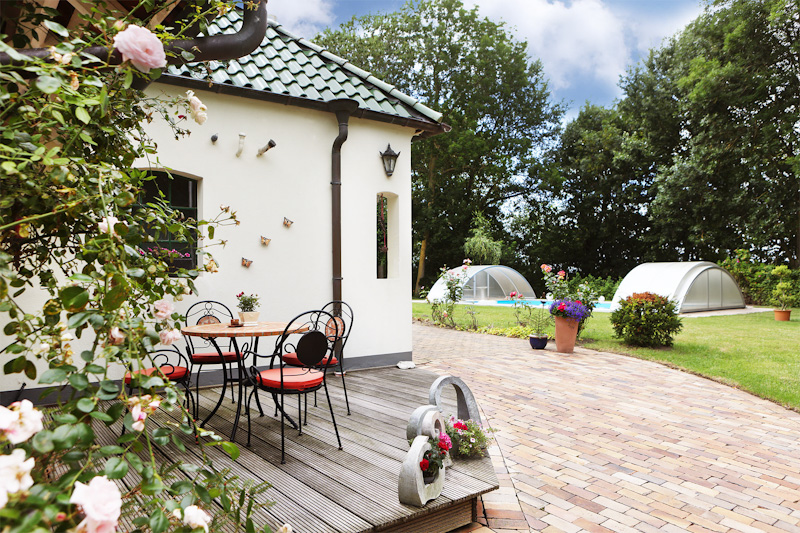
x=212 y=357
x=292 y=359
x=293 y=378
x=172 y=373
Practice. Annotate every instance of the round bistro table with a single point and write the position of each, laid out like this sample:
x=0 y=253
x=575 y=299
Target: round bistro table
x=214 y=331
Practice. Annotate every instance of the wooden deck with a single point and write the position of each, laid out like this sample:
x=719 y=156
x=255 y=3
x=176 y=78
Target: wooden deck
x=323 y=489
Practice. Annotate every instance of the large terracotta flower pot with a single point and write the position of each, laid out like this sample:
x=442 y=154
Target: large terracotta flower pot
x=566 y=333
x=782 y=315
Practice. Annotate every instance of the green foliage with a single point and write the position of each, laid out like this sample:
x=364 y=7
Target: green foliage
x=480 y=247
x=468 y=437
x=759 y=281
x=646 y=319
x=443 y=310
x=72 y=129
x=491 y=93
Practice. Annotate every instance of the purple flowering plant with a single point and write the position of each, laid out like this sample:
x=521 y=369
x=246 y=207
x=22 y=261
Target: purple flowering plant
x=572 y=309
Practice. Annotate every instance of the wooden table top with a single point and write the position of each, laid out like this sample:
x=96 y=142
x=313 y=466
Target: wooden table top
x=261 y=329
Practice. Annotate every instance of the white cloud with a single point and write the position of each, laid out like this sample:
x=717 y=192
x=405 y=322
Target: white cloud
x=304 y=19
x=577 y=40
x=650 y=32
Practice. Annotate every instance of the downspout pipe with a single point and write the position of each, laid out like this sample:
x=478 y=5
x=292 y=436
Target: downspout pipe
x=342 y=108
x=220 y=47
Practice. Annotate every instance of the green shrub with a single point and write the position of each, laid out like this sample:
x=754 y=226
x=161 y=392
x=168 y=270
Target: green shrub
x=646 y=319
x=759 y=281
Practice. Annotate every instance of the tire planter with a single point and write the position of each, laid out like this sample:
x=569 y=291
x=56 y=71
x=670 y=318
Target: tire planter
x=566 y=334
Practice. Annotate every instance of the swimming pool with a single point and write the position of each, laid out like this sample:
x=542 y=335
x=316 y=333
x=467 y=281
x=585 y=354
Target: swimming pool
x=598 y=306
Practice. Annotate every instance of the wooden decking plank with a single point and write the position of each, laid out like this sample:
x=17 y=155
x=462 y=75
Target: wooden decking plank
x=343 y=486
x=294 y=501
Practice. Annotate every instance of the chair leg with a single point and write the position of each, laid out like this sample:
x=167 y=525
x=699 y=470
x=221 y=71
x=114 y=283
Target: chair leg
x=258 y=403
x=344 y=386
x=333 y=418
x=196 y=390
x=283 y=433
x=249 y=399
x=305 y=401
x=299 y=415
x=230 y=369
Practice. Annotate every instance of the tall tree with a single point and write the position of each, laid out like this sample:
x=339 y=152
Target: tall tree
x=493 y=95
x=602 y=193
x=725 y=93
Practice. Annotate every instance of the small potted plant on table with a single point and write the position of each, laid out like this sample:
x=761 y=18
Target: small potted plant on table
x=247 y=305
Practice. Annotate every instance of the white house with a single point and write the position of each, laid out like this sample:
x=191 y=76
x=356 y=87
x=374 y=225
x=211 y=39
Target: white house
x=287 y=92
x=310 y=104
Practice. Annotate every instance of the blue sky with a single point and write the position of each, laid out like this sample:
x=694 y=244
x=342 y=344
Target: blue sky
x=584 y=45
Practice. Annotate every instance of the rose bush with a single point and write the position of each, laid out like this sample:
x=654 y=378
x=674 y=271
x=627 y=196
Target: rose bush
x=72 y=132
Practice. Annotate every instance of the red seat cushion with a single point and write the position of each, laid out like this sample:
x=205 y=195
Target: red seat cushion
x=172 y=373
x=291 y=359
x=212 y=357
x=293 y=378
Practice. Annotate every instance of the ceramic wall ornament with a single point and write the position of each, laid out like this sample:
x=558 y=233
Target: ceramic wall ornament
x=265 y=241
x=246 y=262
x=411 y=488
x=288 y=223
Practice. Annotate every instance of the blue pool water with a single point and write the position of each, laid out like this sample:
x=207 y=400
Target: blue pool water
x=598 y=306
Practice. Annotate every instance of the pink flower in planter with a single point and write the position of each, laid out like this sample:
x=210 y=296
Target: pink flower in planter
x=101 y=503
x=141 y=47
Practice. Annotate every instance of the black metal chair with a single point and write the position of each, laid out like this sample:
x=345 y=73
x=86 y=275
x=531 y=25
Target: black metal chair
x=201 y=351
x=171 y=365
x=312 y=336
x=342 y=314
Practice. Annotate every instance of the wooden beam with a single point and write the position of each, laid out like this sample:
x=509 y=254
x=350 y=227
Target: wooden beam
x=168 y=7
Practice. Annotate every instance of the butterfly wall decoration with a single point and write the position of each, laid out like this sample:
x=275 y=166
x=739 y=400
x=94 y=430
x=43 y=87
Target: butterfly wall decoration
x=265 y=241
x=288 y=223
x=246 y=262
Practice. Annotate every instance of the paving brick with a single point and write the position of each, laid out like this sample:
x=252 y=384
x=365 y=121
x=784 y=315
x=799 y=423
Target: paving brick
x=596 y=437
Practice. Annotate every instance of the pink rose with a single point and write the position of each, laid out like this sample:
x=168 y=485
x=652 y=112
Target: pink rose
x=194 y=517
x=196 y=108
x=107 y=225
x=115 y=336
x=141 y=47
x=546 y=268
x=168 y=336
x=513 y=294
x=561 y=274
x=20 y=422
x=15 y=472
x=101 y=503
x=163 y=310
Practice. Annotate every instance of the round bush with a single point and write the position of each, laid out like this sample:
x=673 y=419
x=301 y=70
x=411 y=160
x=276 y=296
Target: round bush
x=646 y=319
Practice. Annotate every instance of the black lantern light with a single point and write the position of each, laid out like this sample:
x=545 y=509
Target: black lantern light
x=389 y=159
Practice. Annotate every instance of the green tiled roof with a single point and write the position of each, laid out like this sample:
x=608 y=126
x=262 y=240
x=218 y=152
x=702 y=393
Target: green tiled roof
x=290 y=66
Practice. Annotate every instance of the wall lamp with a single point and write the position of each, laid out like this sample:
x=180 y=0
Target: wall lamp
x=389 y=159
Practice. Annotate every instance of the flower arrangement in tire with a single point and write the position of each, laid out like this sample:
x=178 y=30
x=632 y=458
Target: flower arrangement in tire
x=568 y=316
x=433 y=459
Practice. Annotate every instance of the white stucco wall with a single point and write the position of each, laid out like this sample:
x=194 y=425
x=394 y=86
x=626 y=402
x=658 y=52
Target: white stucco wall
x=294 y=273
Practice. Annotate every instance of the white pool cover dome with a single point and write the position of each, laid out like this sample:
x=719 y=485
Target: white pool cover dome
x=694 y=285
x=486 y=282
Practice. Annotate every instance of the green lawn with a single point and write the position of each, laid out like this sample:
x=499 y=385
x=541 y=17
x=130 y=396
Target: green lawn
x=752 y=352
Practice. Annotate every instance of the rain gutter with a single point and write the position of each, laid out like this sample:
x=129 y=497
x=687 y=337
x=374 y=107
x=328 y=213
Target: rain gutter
x=219 y=47
x=342 y=108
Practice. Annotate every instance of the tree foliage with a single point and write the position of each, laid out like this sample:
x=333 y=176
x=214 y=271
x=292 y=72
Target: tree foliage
x=491 y=93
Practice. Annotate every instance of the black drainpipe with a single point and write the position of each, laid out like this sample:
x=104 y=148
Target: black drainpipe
x=343 y=108
x=220 y=47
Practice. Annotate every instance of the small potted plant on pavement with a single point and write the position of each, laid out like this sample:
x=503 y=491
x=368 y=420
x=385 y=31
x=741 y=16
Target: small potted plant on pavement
x=568 y=315
x=784 y=294
x=247 y=304
x=540 y=320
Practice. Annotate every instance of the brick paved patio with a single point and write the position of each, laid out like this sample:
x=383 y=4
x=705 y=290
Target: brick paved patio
x=601 y=442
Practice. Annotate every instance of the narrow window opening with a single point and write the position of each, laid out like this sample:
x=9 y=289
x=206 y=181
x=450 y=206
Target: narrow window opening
x=382 y=237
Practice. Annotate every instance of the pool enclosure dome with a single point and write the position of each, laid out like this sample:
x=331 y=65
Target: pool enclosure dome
x=694 y=285
x=486 y=282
